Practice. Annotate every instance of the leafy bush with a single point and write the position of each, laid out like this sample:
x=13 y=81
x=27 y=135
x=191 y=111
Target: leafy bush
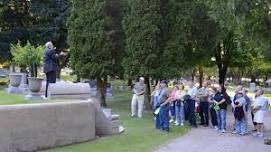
x=27 y=56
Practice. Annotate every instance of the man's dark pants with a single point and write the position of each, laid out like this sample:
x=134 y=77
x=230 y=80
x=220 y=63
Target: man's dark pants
x=213 y=116
x=50 y=78
x=191 y=112
x=204 y=113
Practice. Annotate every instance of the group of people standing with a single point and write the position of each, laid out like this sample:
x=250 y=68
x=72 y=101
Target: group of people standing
x=178 y=105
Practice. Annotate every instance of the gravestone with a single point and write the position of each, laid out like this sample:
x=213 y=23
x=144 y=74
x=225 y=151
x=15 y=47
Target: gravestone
x=17 y=89
x=109 y=91
x=252 y=86
x=267 y=141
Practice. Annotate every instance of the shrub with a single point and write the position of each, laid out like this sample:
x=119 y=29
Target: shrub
x=27 y=56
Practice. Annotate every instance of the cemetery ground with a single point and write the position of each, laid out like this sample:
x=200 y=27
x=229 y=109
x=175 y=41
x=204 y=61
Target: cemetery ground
x=139 y=135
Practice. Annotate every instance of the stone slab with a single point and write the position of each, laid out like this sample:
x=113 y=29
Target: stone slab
x=15 y=90
x=34 y=127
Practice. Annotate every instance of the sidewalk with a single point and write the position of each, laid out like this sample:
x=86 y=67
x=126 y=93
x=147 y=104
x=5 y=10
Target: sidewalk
x=207 y=140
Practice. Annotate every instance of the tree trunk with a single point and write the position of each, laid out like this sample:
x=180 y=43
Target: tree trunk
x=222 y=67
x=58 y=73
x=222 y=75
x=148 y=94
x=101 y=90
x=33 y=71
x=253 y=79
x=200 y=76
x=130 y=81
x=237 y=80
x=193 y=75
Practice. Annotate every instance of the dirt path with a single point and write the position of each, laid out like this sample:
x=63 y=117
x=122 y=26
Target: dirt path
x=207 y=140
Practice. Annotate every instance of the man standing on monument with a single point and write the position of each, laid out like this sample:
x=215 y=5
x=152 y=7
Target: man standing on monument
x=51 y=65
x=138 y=98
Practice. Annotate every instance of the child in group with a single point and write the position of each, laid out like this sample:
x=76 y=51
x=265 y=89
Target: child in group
x=239 y=114
x=259 y=108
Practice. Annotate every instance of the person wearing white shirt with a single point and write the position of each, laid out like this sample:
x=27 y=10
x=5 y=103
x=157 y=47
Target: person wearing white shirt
x=259 y=108
x=192 y=92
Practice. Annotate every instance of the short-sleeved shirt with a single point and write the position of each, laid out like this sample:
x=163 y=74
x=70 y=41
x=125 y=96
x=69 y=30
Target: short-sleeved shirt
x=203 y=94
x=163 y=95
x=218 y=97
x=262 y=102
x=192 y=92
x=139 y=88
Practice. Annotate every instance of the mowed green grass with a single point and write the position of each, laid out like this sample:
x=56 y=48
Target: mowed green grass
x=139 y=136
x=11 y=99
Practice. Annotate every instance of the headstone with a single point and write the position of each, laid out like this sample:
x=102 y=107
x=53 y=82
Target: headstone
x=23 y=84
x=34 y=96
x=15 y=90
x=252 y=86
x=109 y=91
x=267 y=141
x=22 y=88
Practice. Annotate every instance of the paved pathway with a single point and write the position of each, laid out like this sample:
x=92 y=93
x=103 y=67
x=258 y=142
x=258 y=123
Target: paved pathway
x=207 y=140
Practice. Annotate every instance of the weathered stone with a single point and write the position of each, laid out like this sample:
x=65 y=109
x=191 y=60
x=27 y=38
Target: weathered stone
x=267 y=141
x=39 y=126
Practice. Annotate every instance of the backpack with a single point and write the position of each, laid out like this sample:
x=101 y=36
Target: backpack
x=239 y=113
x=227 y=98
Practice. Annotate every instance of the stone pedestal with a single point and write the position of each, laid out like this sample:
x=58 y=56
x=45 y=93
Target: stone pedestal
x=15 y=90
x=34 y=96
x=252 y=86
x=267 y=141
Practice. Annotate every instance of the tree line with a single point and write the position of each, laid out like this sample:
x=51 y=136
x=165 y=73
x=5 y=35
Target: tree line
x=156 y=39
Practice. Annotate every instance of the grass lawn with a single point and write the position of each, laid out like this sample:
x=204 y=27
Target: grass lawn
x=139 y=135
x=11 y=99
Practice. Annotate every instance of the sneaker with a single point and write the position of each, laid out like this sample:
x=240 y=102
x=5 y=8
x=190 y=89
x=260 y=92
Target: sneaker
x=177 y=124
x=234 y=132
x=171 y=120
x=255 y=134
x=223 y=131
x=215 y=128
x=45 y=98
x=182 y=124
x=260 y=135
x=242 y=134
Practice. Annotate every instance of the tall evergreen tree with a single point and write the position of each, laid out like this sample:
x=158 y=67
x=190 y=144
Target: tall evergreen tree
x=142 y=27
x=92 y=40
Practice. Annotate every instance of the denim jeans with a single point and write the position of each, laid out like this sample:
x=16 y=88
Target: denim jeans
x=172 y=110
x=157 y=122
x=155 y=101
x=221 y=119
x=240 y=126
x=179 y=111
x=164 y=117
